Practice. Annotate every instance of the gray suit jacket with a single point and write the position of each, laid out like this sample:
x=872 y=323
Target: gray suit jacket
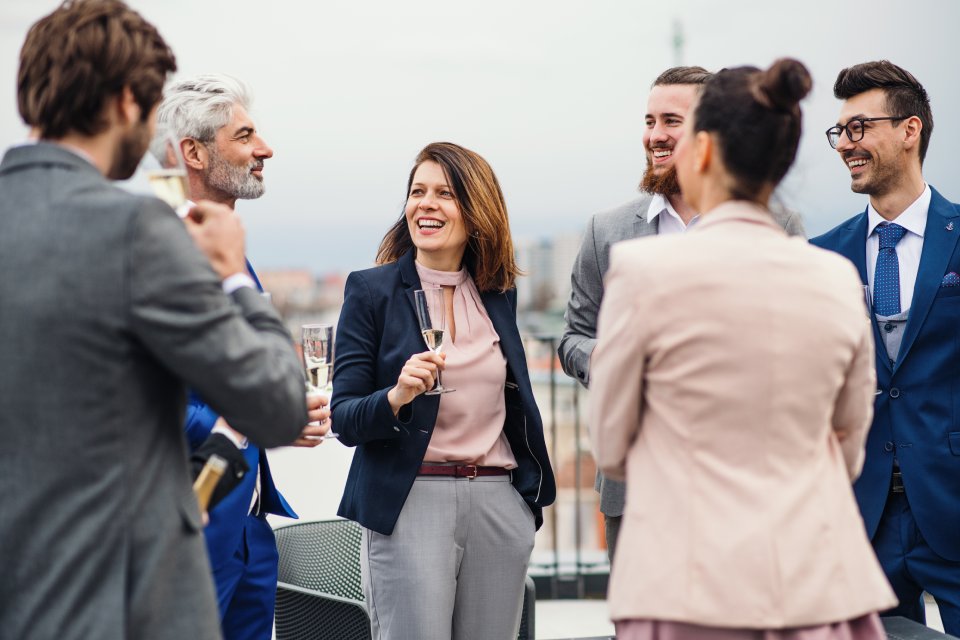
x=580 y=335
x=107 y=311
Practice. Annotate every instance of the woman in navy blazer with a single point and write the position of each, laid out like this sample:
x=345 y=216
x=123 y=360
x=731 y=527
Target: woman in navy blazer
x=414 y=586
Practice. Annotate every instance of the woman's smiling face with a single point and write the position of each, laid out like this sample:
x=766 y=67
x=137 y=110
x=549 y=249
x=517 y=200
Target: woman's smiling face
x=434 y=219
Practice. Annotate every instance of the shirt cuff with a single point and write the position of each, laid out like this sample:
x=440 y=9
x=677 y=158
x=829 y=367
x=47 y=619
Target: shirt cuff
x=238 y=441
x=237 y=281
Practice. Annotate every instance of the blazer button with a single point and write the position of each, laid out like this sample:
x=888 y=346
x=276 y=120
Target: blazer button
x=888 y=327
x=894 y=393
x=888 y=446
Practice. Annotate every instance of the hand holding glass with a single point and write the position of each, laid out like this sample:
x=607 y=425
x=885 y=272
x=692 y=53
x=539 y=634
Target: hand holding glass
x=317 y=342
x=432 y=318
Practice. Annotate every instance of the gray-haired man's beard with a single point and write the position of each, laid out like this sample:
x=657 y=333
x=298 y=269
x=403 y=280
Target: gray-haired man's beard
x=664 y=184
x=236 y=181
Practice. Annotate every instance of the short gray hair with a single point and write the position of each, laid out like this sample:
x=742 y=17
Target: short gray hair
x=198 y=107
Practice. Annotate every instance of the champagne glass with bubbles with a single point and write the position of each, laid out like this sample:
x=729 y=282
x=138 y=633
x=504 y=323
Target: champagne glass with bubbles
x=317 y=342
x=432 y=318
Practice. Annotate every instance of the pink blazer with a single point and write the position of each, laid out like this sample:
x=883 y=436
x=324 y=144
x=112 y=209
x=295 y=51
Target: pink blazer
x=733 y=385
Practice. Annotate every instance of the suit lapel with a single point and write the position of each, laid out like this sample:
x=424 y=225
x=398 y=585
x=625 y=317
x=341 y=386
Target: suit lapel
x=853 y=245
x=939 y=242
x=502 y=317
x=410 y=277
x=642 y=226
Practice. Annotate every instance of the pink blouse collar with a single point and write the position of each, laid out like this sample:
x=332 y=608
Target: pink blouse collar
x=441 y=278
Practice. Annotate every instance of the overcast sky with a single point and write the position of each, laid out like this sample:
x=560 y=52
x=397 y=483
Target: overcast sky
x=551 y=92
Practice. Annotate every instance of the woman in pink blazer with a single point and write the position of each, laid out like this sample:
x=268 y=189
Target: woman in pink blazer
x=732 y=385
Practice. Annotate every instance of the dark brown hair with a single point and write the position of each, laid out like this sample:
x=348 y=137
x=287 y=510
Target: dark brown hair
x=755 y=116
x=903 y=94
x=80 y=55
x=489 y=254
x=682 y=75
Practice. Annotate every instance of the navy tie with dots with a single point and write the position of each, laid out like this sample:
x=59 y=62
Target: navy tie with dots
x=886 y=277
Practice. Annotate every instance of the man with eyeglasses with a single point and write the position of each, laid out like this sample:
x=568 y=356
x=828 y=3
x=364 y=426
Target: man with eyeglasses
x=905 y=246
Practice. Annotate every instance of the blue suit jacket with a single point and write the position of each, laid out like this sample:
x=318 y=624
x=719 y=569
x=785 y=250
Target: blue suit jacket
x=376 y=334
x=223 y=533
x=917 y=413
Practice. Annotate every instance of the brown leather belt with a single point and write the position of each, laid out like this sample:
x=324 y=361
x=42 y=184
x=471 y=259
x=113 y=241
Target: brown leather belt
x=461 y=470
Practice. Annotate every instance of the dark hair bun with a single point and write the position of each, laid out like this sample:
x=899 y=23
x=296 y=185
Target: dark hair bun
x=783 y=85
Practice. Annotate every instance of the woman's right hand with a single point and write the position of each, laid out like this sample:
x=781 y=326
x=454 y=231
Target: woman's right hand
x=417 y=376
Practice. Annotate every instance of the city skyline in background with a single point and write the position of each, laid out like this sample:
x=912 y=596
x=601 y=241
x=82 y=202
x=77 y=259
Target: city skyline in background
x=552 y=94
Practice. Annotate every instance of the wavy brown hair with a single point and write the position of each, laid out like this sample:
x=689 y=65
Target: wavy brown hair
x=489 y=254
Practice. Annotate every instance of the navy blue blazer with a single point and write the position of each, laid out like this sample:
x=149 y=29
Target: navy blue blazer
x=376 y=334
x=917 y=413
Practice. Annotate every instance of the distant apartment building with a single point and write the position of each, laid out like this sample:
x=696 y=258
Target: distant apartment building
x=547 y=263
x=303 y=298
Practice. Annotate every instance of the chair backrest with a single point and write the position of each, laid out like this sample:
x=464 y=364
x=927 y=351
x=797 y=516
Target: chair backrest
x=321 y=556
x=320 y=593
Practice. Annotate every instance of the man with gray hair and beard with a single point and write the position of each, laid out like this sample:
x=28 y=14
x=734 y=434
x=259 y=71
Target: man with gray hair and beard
x=224 y=157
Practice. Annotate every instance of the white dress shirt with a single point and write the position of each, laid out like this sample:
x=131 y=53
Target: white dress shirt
x=914 y=220
x=670 y=220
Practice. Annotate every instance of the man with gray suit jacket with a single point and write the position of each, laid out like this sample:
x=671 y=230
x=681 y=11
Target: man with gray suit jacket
x=660 y=210
x=108 y=311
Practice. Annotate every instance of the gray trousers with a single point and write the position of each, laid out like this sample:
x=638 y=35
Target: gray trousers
x=455 y=565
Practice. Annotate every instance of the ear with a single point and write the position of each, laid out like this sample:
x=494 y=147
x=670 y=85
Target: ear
x=912 y=127
x=127 y=109
x=194 y=154
x=702 y=151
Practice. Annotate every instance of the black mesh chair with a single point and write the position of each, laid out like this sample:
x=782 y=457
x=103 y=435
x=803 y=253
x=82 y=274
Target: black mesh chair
x=319 y=590
x=319 y=593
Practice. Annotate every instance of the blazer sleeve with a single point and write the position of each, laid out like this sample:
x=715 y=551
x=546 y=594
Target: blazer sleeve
x=360 y=410
x=235 y=352
x=618 y=365
x=586 y=291
x=853 y=410
x=199 y=421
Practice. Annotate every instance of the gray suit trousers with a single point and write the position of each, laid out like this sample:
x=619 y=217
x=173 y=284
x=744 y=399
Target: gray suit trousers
x=455 y=566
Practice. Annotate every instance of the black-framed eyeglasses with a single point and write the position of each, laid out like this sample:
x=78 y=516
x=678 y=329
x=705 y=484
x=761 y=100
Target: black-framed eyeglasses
x=854 y=129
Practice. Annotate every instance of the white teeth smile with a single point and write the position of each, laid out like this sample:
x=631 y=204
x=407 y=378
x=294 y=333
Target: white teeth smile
x=662 y=153
x=429 y=224
x=856 y=163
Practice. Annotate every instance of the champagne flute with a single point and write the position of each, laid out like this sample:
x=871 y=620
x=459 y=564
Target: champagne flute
x=167 y=173
x=432 y=318
x=317 y=342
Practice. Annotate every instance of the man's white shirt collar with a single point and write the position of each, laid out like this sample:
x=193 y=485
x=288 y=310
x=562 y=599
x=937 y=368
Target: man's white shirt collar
x=660 y=204
x=913 y=218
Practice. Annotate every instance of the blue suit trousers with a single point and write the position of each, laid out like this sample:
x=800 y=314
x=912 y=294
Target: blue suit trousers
x=247 y=584
x=912 y=567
